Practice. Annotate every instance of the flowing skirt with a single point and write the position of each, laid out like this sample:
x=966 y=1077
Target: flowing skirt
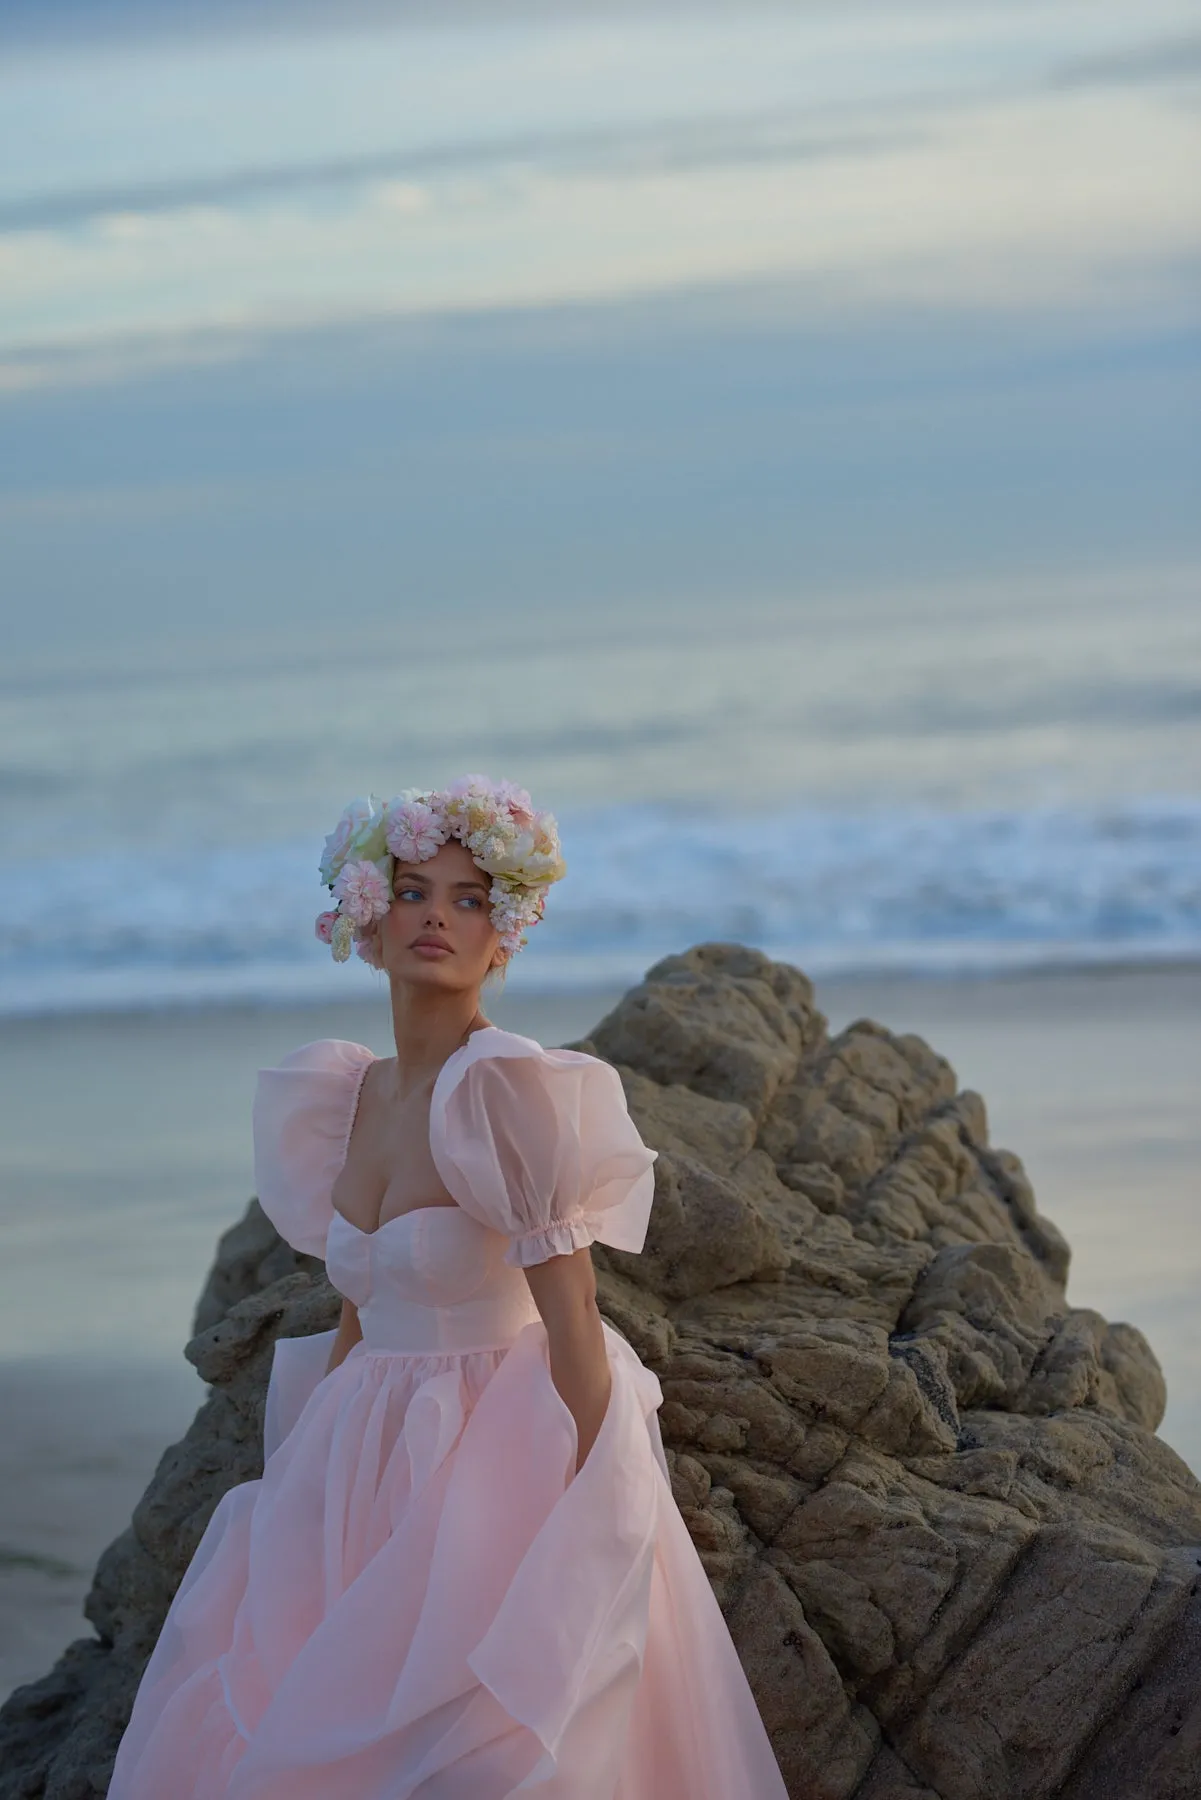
x=421 y=1598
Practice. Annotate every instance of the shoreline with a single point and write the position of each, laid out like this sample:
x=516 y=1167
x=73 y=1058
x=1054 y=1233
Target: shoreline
x=569 y=1000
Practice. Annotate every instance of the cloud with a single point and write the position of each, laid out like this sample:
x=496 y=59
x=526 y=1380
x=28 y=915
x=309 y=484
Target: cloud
x=1168 y=59
x=784 y=135
x=1059 y=201
x=29 y=22
x=854 y=168
x=122 y=505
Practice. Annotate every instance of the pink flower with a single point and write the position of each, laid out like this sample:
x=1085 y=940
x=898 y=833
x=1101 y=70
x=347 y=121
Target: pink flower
x=517 y=802
x=467 y=785
x=364 y=891
x=415 y=831
x=325 y=926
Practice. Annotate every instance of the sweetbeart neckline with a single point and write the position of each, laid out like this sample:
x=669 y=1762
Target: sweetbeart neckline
x=412 y=1211
x=396 y=1218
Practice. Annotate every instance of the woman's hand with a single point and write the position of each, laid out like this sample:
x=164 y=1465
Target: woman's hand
x=348 y=1334
x=564 y=1290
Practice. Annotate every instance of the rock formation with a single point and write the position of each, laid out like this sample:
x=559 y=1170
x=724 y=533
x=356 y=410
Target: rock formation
x=956 y=1561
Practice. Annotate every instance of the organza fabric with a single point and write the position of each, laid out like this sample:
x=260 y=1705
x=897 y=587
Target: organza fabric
x=421 y=1597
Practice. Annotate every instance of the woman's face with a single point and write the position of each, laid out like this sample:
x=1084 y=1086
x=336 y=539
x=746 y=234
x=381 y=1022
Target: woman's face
x=438 y=931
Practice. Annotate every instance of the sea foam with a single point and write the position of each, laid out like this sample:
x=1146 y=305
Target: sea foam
x=904 y=889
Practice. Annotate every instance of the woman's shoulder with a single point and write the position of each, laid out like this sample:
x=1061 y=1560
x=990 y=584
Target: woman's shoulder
x=539 y=1142
x=502 y=1089
x=499 y=1062
x=323 y=1056
x=302 y=1114
x=494 y=1044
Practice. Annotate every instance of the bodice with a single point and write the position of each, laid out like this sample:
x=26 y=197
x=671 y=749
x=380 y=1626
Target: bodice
x=536 y=1147
x=433 y=1280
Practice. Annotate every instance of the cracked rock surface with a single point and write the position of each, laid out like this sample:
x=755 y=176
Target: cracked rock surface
x=956 y=1561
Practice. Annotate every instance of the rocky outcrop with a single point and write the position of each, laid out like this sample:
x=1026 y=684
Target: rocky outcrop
x=956 y=1561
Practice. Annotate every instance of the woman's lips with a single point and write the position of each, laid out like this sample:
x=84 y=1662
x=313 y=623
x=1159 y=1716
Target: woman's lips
x=433 y=950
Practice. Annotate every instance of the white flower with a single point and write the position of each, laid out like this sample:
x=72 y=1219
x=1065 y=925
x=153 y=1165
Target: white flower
x=514 y=862
x=359 y=832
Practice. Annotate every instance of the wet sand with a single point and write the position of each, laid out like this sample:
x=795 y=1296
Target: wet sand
x=125 y=1150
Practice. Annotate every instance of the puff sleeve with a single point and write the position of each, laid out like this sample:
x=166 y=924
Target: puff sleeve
x=539 y=1144
x=302 y=1116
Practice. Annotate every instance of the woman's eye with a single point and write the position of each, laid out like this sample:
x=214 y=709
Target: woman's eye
x=473 y=900
x=406 y=893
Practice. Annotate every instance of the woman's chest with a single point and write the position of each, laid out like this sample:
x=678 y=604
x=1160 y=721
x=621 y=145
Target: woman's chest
x=389 y=1167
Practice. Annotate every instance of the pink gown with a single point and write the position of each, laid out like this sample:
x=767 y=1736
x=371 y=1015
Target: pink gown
x=420 y=1596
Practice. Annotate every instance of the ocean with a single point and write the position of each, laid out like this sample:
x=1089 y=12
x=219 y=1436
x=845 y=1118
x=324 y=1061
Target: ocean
x=973 y=778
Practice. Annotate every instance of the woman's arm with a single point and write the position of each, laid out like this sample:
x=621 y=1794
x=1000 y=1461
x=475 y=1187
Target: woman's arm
x=564 y=1290
x=348 y=1334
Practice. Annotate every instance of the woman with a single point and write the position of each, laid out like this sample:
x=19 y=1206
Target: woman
x=462 y=1574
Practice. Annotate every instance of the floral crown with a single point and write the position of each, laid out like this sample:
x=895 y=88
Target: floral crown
x=493 y=820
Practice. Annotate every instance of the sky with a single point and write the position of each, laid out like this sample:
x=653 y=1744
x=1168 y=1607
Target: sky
x=359 y=310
